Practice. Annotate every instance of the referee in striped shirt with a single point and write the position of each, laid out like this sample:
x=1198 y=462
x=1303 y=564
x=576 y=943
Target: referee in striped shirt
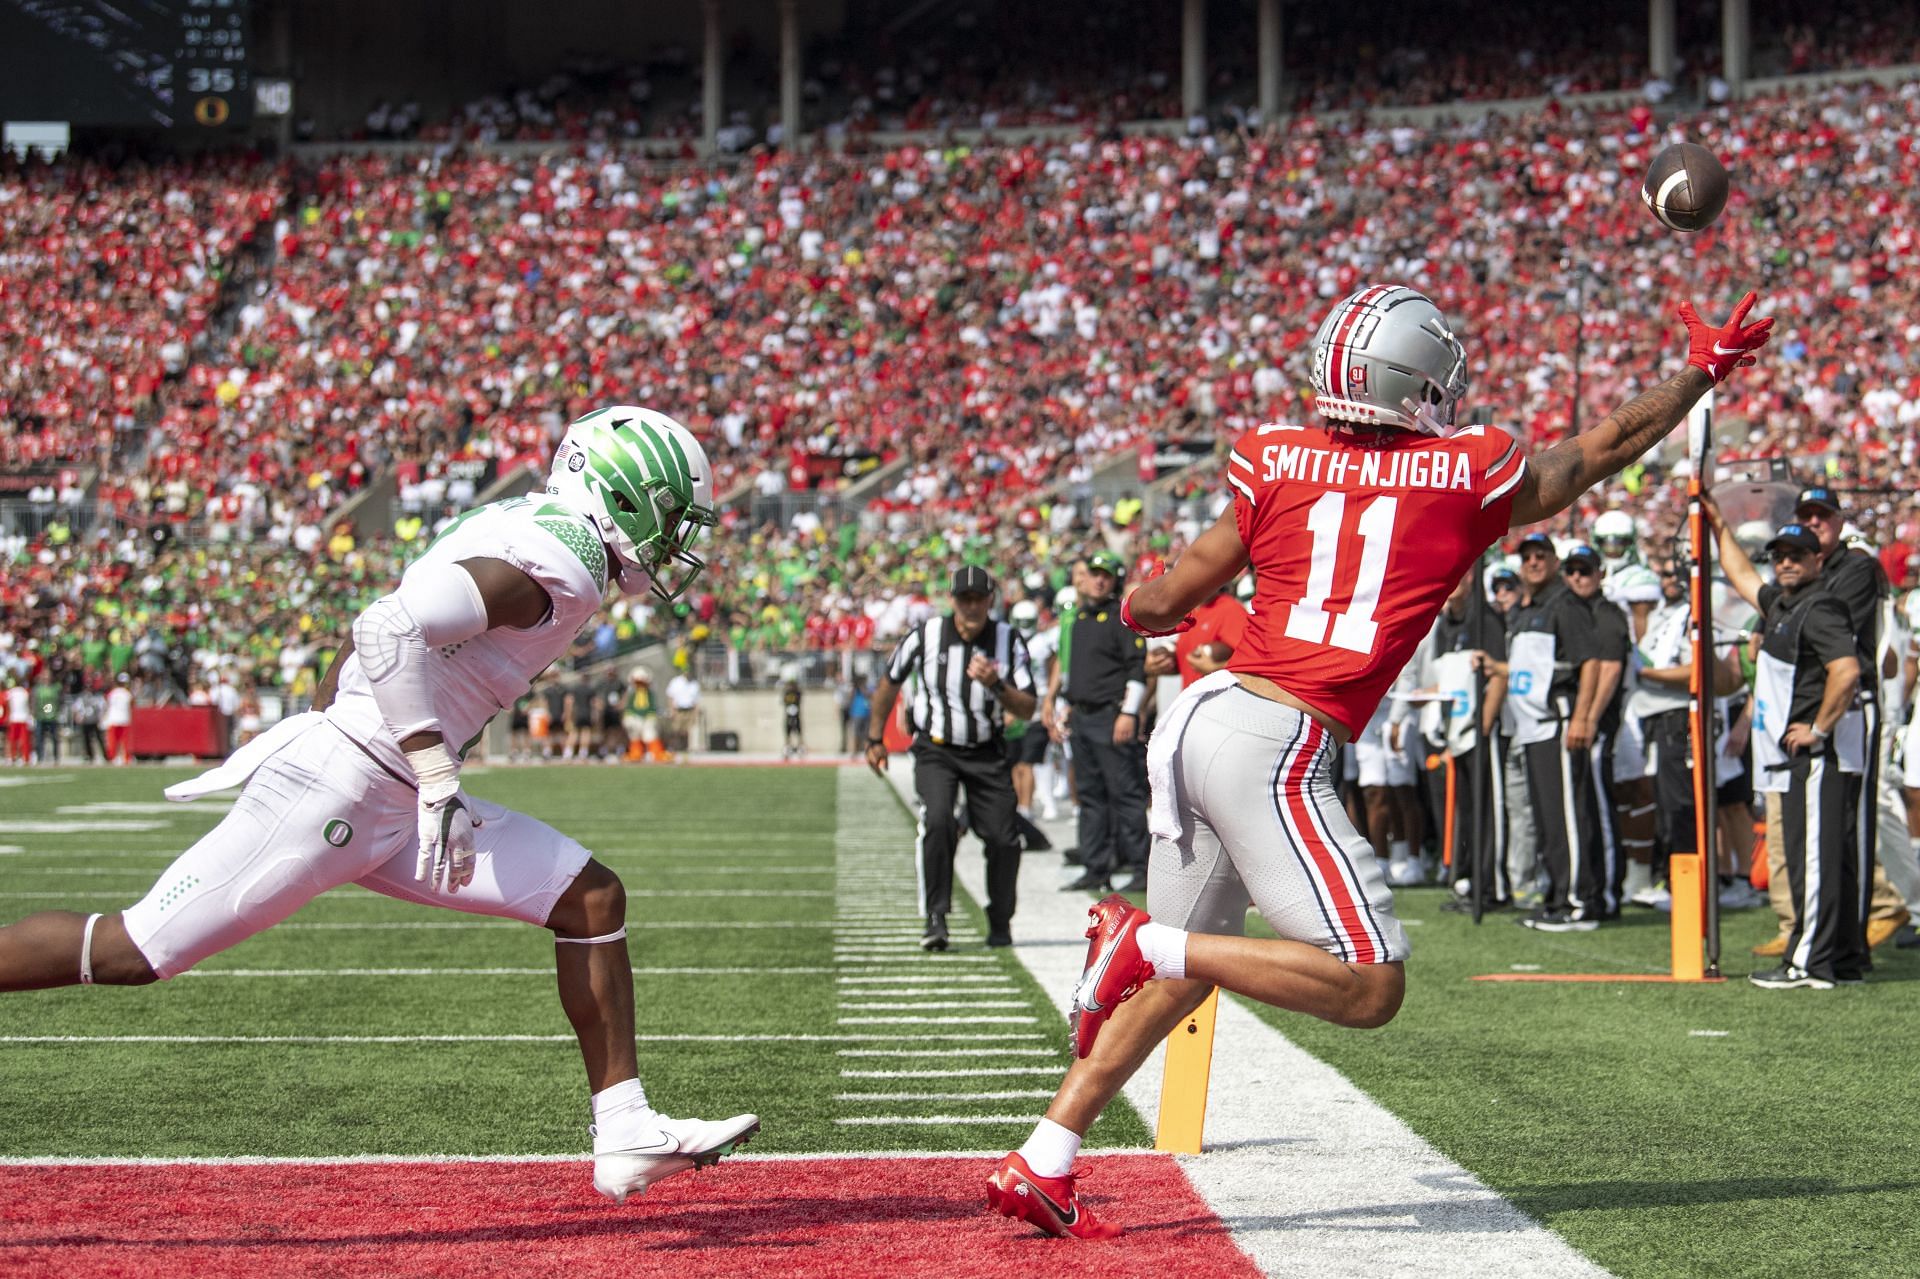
x=969 y=673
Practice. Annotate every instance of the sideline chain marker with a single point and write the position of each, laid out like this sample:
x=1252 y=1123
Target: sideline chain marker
x=1183 y=1086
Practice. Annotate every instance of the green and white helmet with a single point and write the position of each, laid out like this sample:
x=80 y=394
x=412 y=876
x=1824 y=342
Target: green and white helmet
x=645 y=482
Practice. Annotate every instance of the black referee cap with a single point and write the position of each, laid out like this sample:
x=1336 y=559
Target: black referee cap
x=971 y=579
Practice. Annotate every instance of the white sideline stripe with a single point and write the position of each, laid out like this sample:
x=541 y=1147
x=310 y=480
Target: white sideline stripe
x=927 y=1120
x=35 y=779
x=951 y=1074
x=733 y=971
x=8 y=850
x=933 y=1005
x=1305 y=1184
x=1018 y=1094
x=464 y=1039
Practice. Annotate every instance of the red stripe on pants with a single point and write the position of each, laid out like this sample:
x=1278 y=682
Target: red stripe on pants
x=1344 y=910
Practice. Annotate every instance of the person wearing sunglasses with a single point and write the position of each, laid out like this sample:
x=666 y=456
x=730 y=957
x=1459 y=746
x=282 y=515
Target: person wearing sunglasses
x=1856 y=577
x=1809 y=747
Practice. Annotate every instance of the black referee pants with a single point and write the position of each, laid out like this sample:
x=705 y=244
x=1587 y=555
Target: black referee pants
x=1113 y=794
x=1823 y=867
x=939 y=774
x=1571 y=802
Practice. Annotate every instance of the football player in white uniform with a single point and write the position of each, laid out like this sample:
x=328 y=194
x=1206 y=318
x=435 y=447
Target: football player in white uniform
x=365 y=788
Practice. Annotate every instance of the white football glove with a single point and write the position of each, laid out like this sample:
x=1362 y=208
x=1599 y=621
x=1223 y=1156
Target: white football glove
x=446 y=822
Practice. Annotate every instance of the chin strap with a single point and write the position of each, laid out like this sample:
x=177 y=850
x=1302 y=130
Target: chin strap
x=86 y=951
x=591 y=941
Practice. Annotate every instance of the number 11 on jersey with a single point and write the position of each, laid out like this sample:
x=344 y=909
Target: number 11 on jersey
x=1353 y=629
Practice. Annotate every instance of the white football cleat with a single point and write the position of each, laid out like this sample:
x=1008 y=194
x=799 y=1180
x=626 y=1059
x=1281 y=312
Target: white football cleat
x=627 y=1158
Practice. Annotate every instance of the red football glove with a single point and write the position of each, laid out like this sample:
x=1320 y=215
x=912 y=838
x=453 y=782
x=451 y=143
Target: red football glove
x=1186 y=623
x=1719 y=351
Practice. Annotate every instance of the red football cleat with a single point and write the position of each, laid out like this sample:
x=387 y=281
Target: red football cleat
x=1115 y=970
x=1049 y=1204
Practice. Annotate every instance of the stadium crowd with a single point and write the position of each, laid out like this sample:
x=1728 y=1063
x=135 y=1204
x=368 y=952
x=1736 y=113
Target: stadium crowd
x=1014 y=65
x=997 y=318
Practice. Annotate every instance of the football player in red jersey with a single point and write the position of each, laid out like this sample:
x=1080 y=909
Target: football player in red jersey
x=1357 y=529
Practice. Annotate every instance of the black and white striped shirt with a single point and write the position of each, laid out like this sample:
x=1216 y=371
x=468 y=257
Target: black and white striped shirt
x=950 y=708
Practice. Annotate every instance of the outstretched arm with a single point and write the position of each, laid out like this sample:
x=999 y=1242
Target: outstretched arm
x=1568 y=469
x=1741 y=574
x=1215 y=558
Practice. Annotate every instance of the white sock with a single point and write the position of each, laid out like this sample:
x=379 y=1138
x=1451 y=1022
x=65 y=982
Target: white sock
x=1398 y=851
x=1165 y=948
x=627 y=1095
x=1051 y=1150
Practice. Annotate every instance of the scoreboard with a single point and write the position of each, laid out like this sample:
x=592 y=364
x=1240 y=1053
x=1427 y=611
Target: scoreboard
x=165 y=64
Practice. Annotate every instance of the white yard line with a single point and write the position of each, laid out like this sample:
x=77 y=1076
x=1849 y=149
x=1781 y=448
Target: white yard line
x=1017 y=1094
x=727 y=971
x=931 y=1120
x=471 y=1039
x=932 y=1005
x=970 y=1072
x=944 y=1053
x=1312 y=1176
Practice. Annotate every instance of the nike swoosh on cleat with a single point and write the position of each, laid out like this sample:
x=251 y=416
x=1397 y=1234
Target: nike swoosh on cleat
x=1093 y=975
x=1067 y=1217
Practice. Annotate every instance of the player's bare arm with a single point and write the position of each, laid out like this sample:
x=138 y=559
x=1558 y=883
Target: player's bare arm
x=1734 y=562
x=1216 y=557
x=1562 y=473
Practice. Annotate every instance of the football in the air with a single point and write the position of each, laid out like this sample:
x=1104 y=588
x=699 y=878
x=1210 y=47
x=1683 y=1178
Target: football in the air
x=1686 y=188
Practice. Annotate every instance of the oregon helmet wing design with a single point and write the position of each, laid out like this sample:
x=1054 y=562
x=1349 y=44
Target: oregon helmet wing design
x=644 y=481
x=1385 y=357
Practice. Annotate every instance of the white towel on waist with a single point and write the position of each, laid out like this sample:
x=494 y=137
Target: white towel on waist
x=240 y=765
x=1164 y=819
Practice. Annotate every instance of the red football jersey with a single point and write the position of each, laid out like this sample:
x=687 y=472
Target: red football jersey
x=1356 y=539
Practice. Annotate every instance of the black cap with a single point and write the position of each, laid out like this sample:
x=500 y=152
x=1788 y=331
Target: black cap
x=1505 y=576
x=1819 y=495
x=971 y=579
x=1581 y=551
x=1798 y=536
x=1540 y=540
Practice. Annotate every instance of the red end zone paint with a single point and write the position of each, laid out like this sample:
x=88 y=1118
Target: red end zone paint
x=911 y=1218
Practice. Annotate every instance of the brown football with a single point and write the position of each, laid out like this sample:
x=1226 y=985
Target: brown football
x=1686 y=187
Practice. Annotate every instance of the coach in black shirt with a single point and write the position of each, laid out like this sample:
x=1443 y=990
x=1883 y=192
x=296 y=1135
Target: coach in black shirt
x=1106 y=690
x=1857 y=580
x=969 y=672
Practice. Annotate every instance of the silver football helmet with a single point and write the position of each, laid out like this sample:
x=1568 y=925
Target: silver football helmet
x=1385 y=357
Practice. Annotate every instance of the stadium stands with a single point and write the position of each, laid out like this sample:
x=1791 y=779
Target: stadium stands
x=992 y=318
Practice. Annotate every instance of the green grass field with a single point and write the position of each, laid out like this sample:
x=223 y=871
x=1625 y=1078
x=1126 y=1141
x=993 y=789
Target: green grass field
x=1705 y=1130
x=681 y=831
